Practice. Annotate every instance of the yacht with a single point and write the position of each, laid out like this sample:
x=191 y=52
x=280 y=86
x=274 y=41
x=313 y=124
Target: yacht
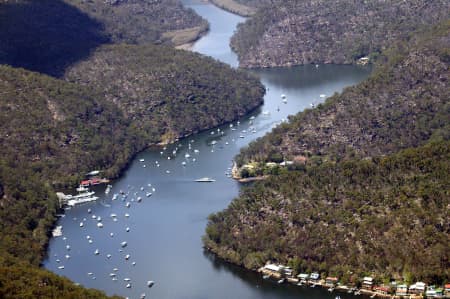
x=87 y=196
x=108 y=188
x=205 y=180
x=57 y=232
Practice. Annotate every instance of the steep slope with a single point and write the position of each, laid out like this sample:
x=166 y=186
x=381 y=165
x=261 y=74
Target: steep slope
x=369 y=188
x=125 y=98
x=403 y=104
x=386 y=216
x=287 y=33
x=51 y=131
x=168 y=92
x=48 y=36
x=139 y=21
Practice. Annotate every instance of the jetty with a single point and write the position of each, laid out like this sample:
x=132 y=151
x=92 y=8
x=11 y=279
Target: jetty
x=366 y=286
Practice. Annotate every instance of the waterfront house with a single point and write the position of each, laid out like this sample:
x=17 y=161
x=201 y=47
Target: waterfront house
x=402 y=290
x=433 y=292
x=286 y=163
x=363 y=61
x=276 y=271
x=331 y=281
x=417 y=288
x=286 y=271
x=271 y=270
x=447 y=290
x=303 y=277
x=383 y=290
x=367 y=283
x=314 y=277
x=271 y=164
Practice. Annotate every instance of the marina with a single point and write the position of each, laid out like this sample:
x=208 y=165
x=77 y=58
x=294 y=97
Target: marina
x=152 y=219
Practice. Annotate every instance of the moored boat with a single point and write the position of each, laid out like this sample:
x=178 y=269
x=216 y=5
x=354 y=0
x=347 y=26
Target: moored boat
x=205 y=180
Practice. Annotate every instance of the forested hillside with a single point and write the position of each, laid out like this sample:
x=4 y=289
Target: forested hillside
x=368 y=190
x=138 y=21
x=49 y=35
x=122 y=98
x=285 y=33
x=166 y=92
x=51 y=132
x=404 y=103
x=385 y=216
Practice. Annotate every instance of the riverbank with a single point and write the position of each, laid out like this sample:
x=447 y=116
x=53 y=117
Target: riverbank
x=297 y=33
x=185 y=38
x=234 y=7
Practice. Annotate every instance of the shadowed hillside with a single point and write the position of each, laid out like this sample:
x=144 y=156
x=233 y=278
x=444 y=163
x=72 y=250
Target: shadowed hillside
x=47 y=35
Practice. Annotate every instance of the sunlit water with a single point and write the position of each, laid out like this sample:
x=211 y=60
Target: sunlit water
x=165 y=229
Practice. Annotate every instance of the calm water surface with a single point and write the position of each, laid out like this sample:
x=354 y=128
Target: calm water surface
x=165 y=229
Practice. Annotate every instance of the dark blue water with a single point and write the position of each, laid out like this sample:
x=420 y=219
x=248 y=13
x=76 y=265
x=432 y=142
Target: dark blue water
x=165 y=229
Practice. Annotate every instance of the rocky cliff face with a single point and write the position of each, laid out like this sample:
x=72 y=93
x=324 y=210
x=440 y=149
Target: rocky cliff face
x=316 y=31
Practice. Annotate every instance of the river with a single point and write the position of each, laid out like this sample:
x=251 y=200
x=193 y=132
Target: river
x=163 y=232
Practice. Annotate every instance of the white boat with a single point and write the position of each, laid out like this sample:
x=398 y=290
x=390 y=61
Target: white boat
x=99 y=225
x=57 y=232
x=108 y=188
x=205 y=180
x=96 y=252
x=283 y=96
x=82 y=188
x=73 y=200
x=123 y=244
x=141 y=160
x=92 y=173
x=150 y=283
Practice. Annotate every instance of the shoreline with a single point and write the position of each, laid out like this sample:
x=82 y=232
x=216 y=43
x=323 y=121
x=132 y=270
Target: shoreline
x=234 y=7
x=184 y=39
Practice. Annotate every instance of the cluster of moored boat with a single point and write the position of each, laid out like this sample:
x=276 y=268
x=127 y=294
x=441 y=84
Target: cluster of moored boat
x=127 y=198
x=85 y=195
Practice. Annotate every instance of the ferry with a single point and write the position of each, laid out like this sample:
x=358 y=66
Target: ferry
x=73 y=200
x=205 y=180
